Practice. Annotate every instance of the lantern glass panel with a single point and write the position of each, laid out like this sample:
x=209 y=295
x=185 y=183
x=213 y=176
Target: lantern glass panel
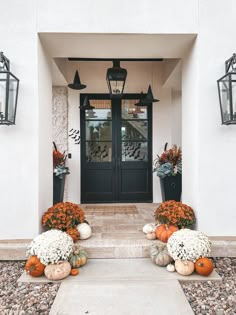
x=233 y=78
x=13 y=85
x=116 y=87
x=3 y=83
x=224 y=84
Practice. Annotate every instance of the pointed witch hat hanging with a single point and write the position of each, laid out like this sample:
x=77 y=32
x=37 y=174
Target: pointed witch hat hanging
x=148 y=99
x=86 y=105
x=76 y=85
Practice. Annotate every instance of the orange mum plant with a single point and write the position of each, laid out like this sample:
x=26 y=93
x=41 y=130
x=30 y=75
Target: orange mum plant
x=63 y=216
x=175 y=213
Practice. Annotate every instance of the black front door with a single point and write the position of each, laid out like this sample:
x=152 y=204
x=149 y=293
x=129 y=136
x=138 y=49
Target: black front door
x=116 y=150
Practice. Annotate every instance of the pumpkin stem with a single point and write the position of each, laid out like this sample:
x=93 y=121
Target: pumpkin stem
x=200 y=264
x=32 y=268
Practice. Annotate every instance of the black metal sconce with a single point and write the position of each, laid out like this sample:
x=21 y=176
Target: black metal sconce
x=9 y=85
x=146 y=100
x=227 y=92
x=76 y=85
x=116 y=77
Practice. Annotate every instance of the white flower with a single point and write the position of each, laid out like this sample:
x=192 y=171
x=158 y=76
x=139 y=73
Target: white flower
x=51 y=246
x=187 y=244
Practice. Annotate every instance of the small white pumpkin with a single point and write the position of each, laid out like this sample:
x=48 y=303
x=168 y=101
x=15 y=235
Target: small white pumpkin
x=84 y=230
x=57 y=271
x=184 y=267
x=159 y=254
x=170 y=268
x=151 y=236
x=149 y=228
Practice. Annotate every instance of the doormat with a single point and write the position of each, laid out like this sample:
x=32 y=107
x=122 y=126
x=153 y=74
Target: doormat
x=100 y=210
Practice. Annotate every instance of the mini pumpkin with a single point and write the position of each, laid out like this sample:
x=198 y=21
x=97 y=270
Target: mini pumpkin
x=78 y=258
x=149 y=227
x=151 y=236
x=84 y=230
x=164 y=231
x=184 y=267
x=34 y=267
x=170 y=268
x=159 y=254
x=74 y=234
x=57 y=271
x=74 y=272
x=204 y=266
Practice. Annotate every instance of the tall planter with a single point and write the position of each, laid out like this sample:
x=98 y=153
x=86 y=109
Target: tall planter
x=171 y=187
x=58 y=188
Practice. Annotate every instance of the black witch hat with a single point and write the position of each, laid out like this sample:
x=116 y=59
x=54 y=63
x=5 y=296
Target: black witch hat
x=76 y=85
x=86 y=105
x=148 y=99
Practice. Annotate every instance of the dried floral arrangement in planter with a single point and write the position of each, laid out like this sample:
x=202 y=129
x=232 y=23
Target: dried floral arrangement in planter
x=169 y=163
x=59 y=162
x=175 y=213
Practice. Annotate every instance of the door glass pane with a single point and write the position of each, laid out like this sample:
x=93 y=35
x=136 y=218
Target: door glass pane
x=130 y=111
x=98 y=130
x=134 y=151
x=102 y=110
x=134 y=130
x=98 y=151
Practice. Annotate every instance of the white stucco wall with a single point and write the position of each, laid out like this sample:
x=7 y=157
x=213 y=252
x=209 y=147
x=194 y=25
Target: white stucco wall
x=208 y=148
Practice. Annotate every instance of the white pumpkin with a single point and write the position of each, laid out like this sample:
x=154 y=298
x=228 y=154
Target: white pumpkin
x=184 y=267
x=84 y=230
x=151 y=236
x=57 y=271
x=149 y=228
x=170 y=268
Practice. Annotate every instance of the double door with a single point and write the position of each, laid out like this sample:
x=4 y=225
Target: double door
x=116 y=150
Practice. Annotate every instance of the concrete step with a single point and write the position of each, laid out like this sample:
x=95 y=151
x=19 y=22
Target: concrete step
x=113 y=248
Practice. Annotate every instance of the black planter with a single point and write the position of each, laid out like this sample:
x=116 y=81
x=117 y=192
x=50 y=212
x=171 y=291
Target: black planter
x=171 y=187
x=58 y=188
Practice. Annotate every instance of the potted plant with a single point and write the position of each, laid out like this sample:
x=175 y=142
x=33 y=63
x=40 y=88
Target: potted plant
x=60 y=170
x=168 y=166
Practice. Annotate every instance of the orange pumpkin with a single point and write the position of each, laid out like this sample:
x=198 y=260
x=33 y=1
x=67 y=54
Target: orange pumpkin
x=74 y=234
x=204 y=266
x=164 y=231
x=34 y=267
x=74 y=272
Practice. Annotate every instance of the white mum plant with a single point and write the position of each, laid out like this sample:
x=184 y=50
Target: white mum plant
x=51 y=246
x=187 y=244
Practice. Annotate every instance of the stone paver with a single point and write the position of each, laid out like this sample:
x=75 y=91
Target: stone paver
x=124 y=269
x=121 y=298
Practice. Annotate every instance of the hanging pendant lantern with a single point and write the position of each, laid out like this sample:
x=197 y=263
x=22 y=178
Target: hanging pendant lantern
x=9 y=85
x=76 y=85
x=116 y=77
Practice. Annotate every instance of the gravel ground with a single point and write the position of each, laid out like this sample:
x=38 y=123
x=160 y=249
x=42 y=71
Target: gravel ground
x=23 y=298
x=214 y=297
x=205 y=298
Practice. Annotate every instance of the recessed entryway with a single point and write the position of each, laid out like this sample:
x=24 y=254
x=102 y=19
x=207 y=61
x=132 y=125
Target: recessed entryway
x=116 y=150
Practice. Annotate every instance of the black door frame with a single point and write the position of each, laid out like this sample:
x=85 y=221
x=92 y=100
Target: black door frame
x=114 y=164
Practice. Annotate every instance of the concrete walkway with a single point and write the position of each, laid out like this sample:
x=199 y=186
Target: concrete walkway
x=120 y=287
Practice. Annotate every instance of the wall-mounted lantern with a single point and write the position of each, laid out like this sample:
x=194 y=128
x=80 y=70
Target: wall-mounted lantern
x=116 y=77
x=227 y=92
x=9 y=85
